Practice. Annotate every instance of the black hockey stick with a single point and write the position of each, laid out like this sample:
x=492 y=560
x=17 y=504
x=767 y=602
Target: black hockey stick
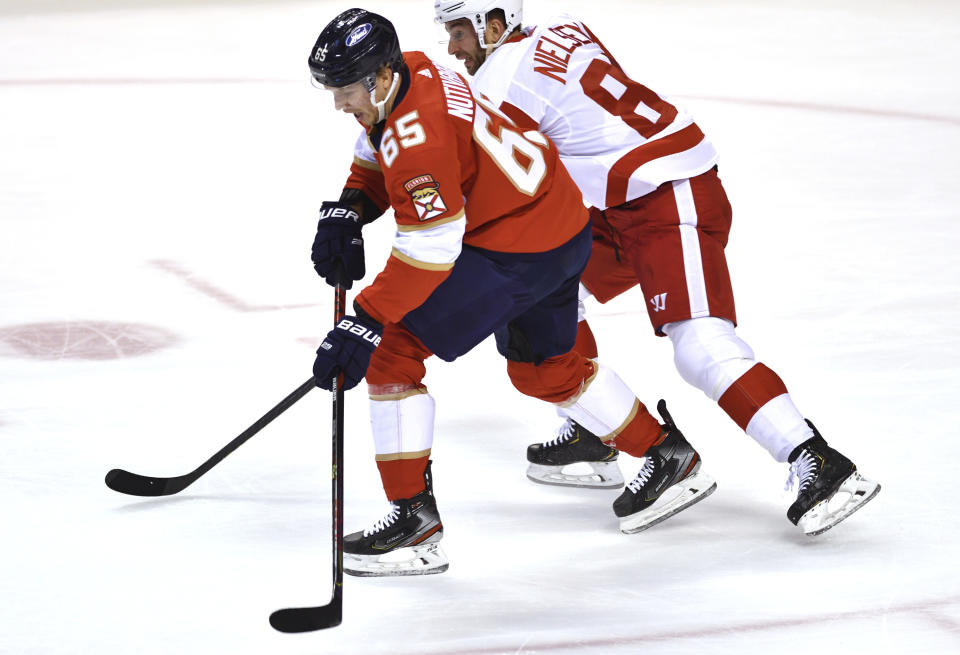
x=144 y=485
x=307 y=619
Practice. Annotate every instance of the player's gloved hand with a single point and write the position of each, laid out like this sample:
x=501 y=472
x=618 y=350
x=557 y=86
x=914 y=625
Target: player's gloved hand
x=346 y=349
x=338 y=247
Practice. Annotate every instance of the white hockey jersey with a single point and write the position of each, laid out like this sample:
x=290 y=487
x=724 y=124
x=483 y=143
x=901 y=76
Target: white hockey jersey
x=618 y=139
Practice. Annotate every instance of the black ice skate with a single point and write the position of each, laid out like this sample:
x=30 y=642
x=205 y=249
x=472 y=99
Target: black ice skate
x=553 y=462
x=404 y=542
x=669 y=481
x=830 y=487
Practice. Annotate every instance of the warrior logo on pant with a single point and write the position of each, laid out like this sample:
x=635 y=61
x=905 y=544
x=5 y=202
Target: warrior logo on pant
x=659 y=302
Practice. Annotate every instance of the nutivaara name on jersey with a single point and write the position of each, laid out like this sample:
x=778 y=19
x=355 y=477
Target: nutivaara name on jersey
x=459 y=98
x=556 y=56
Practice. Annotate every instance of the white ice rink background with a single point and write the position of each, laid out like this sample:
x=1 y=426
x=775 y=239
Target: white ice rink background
x=161 y=164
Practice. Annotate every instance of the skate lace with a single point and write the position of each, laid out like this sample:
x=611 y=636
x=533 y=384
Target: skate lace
x=564 y=433
x=642 y=477
x=385 y=522
x=803 y=469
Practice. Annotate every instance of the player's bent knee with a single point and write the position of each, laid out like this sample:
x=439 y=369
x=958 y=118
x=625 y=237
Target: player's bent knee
x=708 y=353
x=554 y=380
x=398 y=362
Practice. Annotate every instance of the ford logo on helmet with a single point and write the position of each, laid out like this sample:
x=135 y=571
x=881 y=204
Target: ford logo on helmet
x=358 y=34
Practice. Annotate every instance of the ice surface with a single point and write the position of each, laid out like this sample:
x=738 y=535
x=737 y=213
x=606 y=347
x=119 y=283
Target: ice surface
x=160 y=171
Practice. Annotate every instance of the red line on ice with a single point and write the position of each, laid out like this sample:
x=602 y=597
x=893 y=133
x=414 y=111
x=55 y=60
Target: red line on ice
x=922 y=608
x=212 y=291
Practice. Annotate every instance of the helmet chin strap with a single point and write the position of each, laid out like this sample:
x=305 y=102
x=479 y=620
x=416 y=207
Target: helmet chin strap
x=490 y=47
x=381 y=106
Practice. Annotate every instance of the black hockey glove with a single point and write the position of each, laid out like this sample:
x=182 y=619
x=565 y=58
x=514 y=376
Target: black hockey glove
x=338 y=247
x=346 y=349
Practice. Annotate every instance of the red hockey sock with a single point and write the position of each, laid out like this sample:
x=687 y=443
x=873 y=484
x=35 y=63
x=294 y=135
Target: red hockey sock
x=402 y=478
x=750 y=392
x=640 y=432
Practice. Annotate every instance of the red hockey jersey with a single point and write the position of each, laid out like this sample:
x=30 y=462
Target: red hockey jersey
x=457 y=172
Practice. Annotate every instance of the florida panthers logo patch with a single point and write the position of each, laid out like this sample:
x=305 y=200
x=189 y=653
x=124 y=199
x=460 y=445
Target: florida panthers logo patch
x=425 y=193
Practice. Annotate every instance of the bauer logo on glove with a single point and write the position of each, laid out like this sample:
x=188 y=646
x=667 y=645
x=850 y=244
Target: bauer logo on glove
x=331 y=210
x=346 y=350
x=361 y=331
x=338 y=246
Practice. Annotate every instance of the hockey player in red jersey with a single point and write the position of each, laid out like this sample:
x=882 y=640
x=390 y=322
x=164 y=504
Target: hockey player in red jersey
x=491 y=238
x=660 y=220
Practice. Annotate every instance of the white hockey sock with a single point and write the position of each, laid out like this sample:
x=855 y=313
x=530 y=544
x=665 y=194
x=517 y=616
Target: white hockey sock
x=402 y=425
x=604 y=406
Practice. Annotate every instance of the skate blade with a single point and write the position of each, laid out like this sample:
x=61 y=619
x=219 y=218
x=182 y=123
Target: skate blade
x=605 y=475
x=674 y=500
x=426 y=559
x=855 y=492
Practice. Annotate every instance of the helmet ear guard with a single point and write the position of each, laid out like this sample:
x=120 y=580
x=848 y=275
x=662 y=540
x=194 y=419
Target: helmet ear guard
x=476 y=12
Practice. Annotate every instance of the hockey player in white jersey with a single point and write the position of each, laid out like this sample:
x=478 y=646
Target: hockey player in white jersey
x=661 y=220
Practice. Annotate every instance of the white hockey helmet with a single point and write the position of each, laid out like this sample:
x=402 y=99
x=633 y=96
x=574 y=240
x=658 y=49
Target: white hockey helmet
x=476 y=12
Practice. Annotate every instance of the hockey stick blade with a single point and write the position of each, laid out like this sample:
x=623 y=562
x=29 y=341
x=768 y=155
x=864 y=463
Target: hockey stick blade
x=135 y=484
x=308 y=619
